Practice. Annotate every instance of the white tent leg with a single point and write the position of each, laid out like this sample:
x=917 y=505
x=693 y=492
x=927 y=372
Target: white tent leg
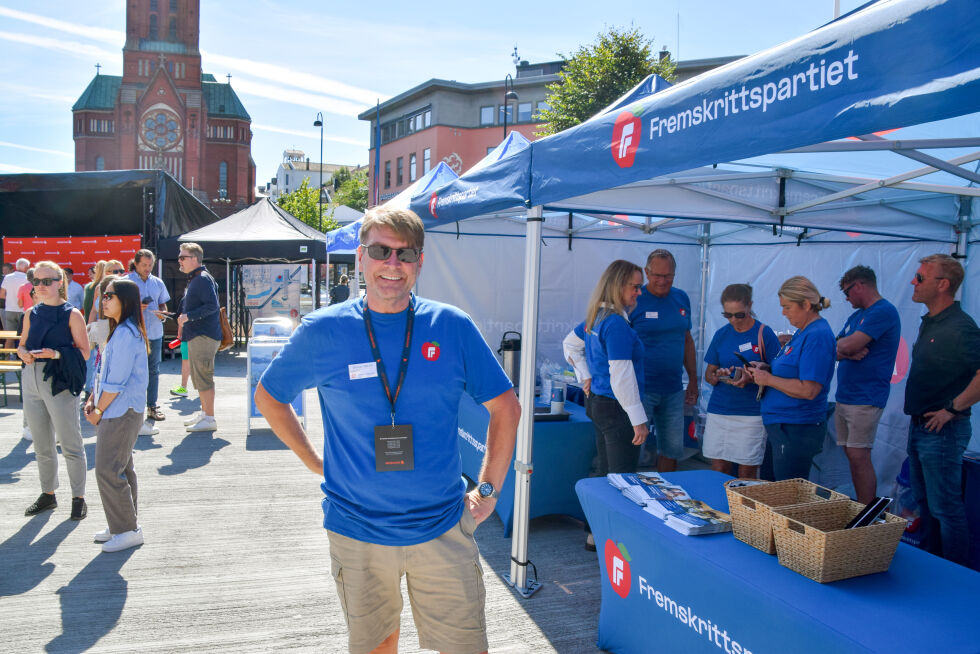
x=525 y=431
x=703 y=301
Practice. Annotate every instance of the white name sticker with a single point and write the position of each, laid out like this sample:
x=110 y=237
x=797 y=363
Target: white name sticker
x=744 y=347
x=363 y=370
x=652 y=314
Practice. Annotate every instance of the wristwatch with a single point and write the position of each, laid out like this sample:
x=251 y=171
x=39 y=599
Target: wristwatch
x=487 y=490
x=949 y=407
x=97 y=411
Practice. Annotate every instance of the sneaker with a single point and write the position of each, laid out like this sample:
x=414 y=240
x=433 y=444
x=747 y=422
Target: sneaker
x=155 y=414
x=589 y=542
x=193 y=419
x=78 y=508
x=27 y=436
x=124 y=540
x=103 y=536
x=148 y=429
x=179 y=391
x=206 y=423
x=43 y=503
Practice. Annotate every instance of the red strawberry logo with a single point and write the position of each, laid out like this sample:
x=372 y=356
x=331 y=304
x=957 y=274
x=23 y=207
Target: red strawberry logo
x=626 y=137
x=433 y=202
x=683 y=312
x=618 y=567
x=755 y=348
x=430 y=351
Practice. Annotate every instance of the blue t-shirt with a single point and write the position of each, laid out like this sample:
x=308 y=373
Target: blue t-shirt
x=810 y=356
x=611 y=339
x=727 y=400
x=662 y=323
x=868 y=381
x=330 y=352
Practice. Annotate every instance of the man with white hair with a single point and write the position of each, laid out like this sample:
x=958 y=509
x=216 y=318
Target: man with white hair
x=13 y=315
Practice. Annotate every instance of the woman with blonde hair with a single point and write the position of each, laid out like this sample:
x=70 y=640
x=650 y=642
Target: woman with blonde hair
x=794 y=404
x=53 y=347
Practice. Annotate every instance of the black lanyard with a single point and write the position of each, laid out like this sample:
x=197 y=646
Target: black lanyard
x=376 y=353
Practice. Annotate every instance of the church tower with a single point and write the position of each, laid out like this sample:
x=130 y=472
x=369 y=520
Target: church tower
x=165 y=113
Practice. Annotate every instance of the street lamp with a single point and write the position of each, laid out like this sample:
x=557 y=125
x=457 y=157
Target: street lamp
x=508 y=96
x=319 y=123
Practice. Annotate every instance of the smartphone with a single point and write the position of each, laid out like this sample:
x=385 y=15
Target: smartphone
x=869 y=513
x=741 y=358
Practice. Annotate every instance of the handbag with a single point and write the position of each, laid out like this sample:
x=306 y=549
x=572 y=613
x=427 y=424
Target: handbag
x=227 y=336
x=762 y=356
x=98 y=332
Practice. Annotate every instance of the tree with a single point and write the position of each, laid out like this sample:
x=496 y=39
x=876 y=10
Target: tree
x=351 y=188
x=304 y=203
x=597 y=74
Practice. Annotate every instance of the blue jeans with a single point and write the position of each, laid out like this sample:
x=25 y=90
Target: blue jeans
x=153 y=364
x=665 y=411
x=793 y=448
x=936 y=473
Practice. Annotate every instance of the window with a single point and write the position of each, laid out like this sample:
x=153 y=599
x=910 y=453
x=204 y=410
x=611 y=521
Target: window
x=287 y=180
x=486 y=116
x=153 y=5
x=388 y=174
x=428 y=118
x=223 y=180
x=411 y=167
x=173 y=6
x=506 y=110
x=490 y=148
x=172 y=32
x=99 y=163
x=154 y=33
x=100 y=126
x=542 y=106
x=426 y=160
x=400 y=174
x=524 y=112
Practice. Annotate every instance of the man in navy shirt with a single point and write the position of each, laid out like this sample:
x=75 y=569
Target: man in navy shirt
x=390 y=370
x=866 y=348
x=662 y=318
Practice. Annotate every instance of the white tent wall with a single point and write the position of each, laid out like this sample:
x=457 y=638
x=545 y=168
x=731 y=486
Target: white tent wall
x=970 y=298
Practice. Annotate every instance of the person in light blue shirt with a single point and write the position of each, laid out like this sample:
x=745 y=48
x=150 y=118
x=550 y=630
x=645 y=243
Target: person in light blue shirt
x=794 y=402
x=662 y=318
x=116 y=410
x=733 y=430
x=76 y=292
x=154 y=298
x=866 y=347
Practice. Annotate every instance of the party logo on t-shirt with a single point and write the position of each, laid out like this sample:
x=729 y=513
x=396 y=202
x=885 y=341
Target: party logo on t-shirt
x=755 y=348
x=618 y=567
x=430 y=351
x=683 y=312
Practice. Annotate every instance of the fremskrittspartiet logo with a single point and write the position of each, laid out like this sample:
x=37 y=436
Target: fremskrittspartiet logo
x=618 y=567
x=626 y=136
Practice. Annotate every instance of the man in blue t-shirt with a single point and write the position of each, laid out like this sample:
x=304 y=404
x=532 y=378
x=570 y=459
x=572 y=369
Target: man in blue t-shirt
x=866 y=348
x=662 y=319
x=390 y=371
x=154 y=298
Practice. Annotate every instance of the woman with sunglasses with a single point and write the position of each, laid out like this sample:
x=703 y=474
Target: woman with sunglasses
x=53 y=347
x=794 y=405
x=733 y=432
x=116 y=410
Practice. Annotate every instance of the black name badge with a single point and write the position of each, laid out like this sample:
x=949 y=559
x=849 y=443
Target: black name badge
x=393 y=448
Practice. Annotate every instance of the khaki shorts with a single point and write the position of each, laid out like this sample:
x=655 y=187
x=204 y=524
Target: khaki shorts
x=200 y=357
x=857 y=424
x=445 y=589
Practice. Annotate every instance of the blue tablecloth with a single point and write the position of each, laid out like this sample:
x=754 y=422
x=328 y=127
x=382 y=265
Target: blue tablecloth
x=562 y=454
x=677 y=593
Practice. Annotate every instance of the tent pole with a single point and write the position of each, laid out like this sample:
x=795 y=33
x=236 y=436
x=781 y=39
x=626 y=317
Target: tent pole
x=703 y=300
x=525 y=431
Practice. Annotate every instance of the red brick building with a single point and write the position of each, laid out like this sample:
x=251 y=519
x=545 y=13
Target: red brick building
x=165 y=113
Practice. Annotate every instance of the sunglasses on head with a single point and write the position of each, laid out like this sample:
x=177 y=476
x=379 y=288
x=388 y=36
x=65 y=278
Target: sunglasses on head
x=380 y=252
x=108 y=295
x=737 y=314
x=117 y=271
x=919 y=278
x=45 y=281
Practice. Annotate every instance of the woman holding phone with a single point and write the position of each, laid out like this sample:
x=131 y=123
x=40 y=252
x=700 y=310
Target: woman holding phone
x=116 y=410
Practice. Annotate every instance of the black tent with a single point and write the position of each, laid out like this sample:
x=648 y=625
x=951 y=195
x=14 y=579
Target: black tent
x=110 y=202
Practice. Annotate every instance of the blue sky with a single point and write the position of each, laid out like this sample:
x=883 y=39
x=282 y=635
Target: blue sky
x=289 y=60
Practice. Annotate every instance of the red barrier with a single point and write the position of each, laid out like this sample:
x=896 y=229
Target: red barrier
x=75 y=252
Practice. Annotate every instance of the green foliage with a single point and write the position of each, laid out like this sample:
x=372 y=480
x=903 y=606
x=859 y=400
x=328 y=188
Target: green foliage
x=351 y=188
x=303 y=203
x=595 y=75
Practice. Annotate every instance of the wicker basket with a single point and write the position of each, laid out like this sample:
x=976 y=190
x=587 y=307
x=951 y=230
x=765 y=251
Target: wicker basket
x=749 y=507
x=811 y=539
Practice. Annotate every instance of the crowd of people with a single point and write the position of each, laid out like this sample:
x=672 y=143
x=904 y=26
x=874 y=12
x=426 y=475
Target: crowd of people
x=96 y=351
x=768 y=411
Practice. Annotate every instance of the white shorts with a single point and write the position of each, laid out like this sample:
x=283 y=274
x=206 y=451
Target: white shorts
x=739 y=439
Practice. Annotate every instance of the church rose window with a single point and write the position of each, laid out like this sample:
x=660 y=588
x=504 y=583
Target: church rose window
x=160 y=129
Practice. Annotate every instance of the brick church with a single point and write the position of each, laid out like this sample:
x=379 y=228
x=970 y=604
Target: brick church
x=165 y=113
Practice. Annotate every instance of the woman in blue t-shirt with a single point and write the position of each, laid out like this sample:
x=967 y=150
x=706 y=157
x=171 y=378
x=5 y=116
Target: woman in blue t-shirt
x=733 y=431
x=794 y=406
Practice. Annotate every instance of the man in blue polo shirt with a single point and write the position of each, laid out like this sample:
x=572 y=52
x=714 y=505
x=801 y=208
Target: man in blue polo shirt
x=390 y=370
x=662 y=318
x=154 y=298
x=866 y=347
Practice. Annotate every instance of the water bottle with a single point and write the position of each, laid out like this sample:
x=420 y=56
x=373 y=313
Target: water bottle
x=557 y=396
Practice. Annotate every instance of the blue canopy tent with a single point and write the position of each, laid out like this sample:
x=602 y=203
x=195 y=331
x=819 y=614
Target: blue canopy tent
x=887 y=65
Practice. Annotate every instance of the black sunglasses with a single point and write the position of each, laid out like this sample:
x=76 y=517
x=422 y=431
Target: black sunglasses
x=380 y=252
x=186 y=256
x=638 y=287
x=847 y=291
x=45 y=281
x=738 y=314
x=108 y=295
x=117 y=271
x=919 y=278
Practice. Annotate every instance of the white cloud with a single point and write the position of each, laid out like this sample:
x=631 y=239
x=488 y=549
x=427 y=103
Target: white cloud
x=42 y=94
x=112 y=37
x=321 y=102
x=11 y=169
x=5 y=144
x=72 y=47
x=311 y=134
